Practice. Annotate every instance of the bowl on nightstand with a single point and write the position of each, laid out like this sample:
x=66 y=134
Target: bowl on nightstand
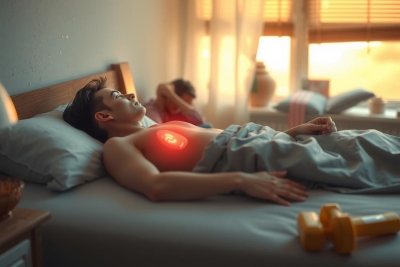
x=10 y=194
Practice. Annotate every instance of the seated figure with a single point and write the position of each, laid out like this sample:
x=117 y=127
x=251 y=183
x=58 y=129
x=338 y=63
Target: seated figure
x=174 y=102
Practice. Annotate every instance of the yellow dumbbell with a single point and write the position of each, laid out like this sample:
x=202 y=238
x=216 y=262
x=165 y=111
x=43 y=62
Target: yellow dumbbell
x=341 y=229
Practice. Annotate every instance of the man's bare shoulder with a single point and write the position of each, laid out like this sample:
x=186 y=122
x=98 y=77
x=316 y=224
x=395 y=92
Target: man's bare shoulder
x=115 y=146
x=127 y=164
x=136 y=142
x=118 y=142
x=113 y=142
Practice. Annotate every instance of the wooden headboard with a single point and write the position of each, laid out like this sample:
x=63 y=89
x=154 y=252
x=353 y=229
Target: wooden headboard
x=48 y=98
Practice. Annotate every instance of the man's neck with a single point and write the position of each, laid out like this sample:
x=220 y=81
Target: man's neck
x=122 y=130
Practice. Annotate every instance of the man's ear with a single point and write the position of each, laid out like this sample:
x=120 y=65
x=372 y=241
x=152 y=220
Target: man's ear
x=103 y=116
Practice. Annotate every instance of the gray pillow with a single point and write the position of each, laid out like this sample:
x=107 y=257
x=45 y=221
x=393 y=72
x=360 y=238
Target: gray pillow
x=47 y=150
x=346 y=100
x=315 y=105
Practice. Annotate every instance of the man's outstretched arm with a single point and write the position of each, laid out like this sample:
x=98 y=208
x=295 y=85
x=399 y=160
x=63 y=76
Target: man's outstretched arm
x=131 y=169
x=320 y=125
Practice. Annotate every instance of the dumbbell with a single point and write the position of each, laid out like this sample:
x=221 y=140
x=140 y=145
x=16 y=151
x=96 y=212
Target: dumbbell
x=341 y=229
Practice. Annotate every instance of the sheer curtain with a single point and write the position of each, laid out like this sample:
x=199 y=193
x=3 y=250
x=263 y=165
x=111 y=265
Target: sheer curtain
x=221 y=63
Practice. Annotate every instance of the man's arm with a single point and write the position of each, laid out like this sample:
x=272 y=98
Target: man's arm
x=321 y=125
x=131 y=169
x=168 y=90
x=189 y=111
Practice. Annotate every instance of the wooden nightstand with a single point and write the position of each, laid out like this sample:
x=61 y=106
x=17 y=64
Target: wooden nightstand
x=20 y=238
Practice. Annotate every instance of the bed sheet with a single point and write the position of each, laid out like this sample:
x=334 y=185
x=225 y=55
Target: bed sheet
x=103 y=224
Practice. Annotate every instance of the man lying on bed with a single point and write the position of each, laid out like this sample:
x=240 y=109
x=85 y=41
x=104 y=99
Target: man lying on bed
x=180 y=161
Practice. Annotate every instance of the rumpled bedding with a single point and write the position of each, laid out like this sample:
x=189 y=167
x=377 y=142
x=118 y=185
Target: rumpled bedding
x=350 y=161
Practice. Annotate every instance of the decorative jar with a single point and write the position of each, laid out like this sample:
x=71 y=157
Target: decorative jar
x=263 y=87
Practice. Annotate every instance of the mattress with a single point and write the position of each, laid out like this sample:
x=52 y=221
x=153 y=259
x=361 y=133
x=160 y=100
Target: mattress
x=103 y=224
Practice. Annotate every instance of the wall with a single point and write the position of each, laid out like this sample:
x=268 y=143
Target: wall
x=44 y=42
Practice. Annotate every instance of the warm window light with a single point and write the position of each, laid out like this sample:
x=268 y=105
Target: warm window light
x=275 y=53
x=350 y=65
x=8 y=114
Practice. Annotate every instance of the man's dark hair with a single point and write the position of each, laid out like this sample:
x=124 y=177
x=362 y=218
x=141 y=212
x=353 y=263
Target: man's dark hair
x=80 y=112
x=182 y=86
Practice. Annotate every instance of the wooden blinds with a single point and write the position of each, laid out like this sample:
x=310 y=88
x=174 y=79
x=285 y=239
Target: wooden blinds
x=353 y=20
x=277 y=16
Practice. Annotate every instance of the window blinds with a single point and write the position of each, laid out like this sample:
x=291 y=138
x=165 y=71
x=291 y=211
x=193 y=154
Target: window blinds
x=277 y=16
x=353 y=20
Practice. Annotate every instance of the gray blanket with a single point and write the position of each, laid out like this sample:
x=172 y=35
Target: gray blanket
x=351 y=161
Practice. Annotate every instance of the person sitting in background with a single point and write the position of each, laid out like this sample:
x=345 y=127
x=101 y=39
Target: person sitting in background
x=174 y=102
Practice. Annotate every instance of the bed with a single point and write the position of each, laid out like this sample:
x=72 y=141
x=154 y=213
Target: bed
x=97 y=222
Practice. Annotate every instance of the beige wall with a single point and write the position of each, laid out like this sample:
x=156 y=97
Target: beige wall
x=44 y=42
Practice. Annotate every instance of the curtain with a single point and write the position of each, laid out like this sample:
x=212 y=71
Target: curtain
x=221 y=62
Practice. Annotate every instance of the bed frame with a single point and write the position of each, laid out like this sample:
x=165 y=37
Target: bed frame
x=46 y=99
x=118 y=227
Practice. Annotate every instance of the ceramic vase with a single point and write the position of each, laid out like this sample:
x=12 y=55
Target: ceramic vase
x=263 y=87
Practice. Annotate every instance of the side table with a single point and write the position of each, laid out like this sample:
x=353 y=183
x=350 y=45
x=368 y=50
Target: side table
x=20 y=238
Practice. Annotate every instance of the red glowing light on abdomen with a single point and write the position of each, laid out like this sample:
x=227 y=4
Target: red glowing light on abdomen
x=172 y=139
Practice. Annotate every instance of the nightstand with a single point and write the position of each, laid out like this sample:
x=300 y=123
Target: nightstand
x=20 y=238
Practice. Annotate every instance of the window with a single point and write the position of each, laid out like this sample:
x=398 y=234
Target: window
x=275 y=53
x=353 y=43
x=274 y=46
x=353 y=20
x=374 y=66
x=277 y=16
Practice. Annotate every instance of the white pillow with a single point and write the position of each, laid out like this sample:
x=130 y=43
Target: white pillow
x=343 y=101
x=47 y=150
x=147 y=122
x=315 y=105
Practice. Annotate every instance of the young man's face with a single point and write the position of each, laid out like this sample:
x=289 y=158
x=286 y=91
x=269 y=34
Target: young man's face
x=124 y=108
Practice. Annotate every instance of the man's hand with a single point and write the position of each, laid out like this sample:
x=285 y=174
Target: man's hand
x=321 y=125
x=273 y=186
x=165 y=90
x=317 y=126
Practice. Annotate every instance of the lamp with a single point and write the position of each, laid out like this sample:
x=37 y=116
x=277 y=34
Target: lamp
x=10 y=188
x=8 y=114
